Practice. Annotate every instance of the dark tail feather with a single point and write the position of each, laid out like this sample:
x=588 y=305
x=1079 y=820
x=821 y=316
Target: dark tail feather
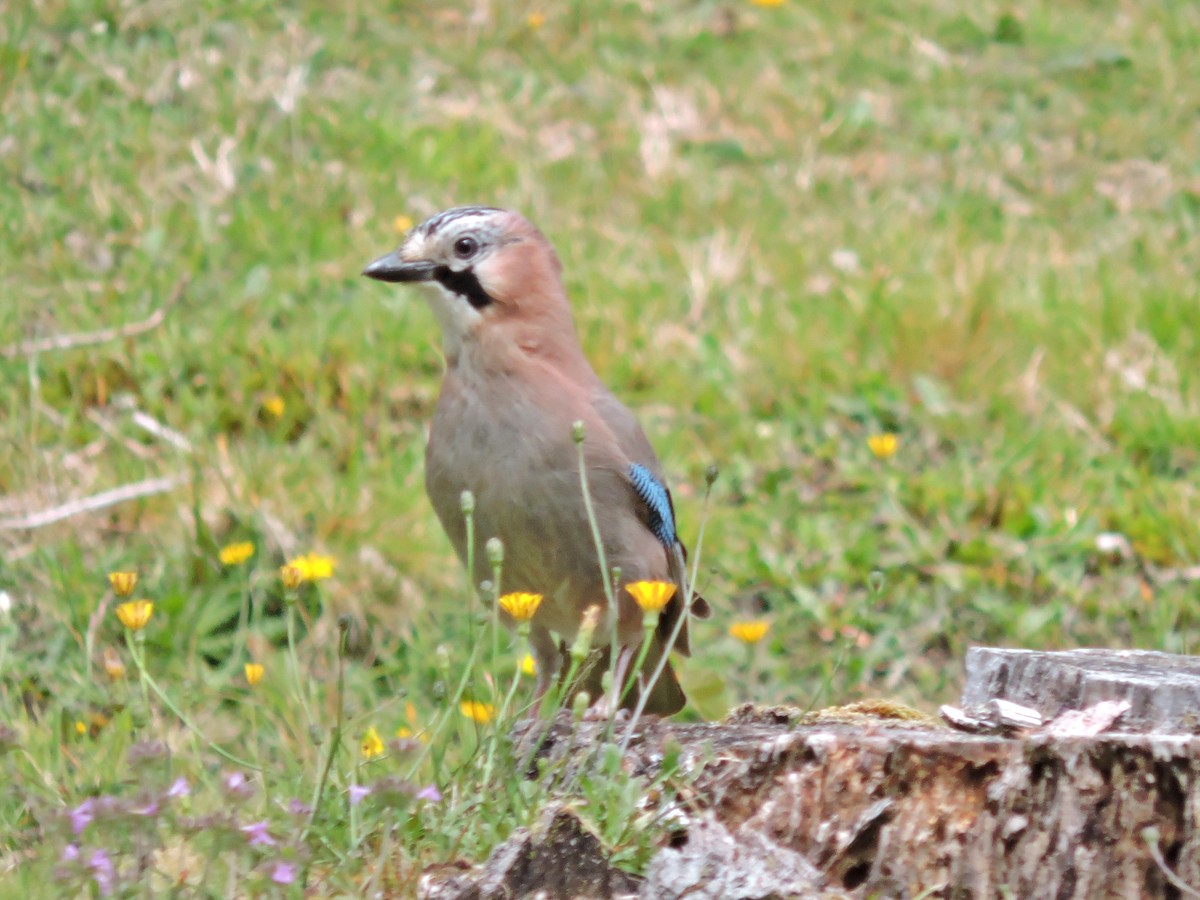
x=677 y=564
x=666 y=696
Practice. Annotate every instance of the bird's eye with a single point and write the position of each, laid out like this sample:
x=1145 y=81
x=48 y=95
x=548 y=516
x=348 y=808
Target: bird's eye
x=465 y=247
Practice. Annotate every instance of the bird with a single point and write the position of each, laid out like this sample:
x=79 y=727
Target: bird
x=515 y=389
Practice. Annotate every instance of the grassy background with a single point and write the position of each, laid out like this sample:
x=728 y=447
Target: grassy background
x=785 y=228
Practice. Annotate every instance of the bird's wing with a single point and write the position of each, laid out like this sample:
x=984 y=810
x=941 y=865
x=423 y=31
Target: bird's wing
x=627 y=430
x=656 y=508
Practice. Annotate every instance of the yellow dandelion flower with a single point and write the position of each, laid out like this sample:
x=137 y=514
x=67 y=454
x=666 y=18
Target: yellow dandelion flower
x=274 y=406
x=528 y=666
x=535 y=20
x=767 y=2
x=312 y=567
x=402 y=224
x=521 y=606
x=113 y=667
x=750 y=632
x=123 y=583
x=134 y=614
x=254 y=673
x=651 y=596
x=477 y=711
x=403 y=732
x=372 y=744
x=236 y=554
x=883 y=445
x=80 y=728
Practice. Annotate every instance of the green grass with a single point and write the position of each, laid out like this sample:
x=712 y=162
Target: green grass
x=784 y=229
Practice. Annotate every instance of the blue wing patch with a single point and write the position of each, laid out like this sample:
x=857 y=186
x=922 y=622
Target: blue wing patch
x=657 y=500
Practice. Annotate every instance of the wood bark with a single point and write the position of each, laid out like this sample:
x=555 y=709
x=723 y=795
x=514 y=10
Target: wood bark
x=865 y=802
x=1163 y=689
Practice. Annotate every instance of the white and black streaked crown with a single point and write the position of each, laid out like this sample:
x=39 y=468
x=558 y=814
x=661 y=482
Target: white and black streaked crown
x=446 y=217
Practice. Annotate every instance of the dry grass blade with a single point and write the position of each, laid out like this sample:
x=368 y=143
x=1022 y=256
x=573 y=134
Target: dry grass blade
x=102 y=336
x=104 y=499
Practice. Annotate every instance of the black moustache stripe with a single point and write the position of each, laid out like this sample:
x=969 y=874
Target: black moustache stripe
x=465 y=284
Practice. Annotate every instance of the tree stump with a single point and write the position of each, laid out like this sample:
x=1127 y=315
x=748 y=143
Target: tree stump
x=867 y=801
x=1163 y=689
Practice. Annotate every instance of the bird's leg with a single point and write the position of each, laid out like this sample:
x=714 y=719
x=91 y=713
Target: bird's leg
x=547 y=657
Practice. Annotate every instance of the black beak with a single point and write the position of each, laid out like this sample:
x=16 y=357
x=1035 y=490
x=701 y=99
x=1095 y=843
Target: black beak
x=393 y=268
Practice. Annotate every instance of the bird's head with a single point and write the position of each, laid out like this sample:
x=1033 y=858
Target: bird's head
x=481 y=269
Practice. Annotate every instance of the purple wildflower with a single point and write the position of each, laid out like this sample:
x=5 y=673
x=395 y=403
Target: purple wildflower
x=299 y=808
x=146 y=808
x=430 y=793
x=283 y=872
x=179 y=788
x=82 y=815
x=102 y=871
x=237 y=786
x=257 y=834
x=357 y=792
x=70 y=853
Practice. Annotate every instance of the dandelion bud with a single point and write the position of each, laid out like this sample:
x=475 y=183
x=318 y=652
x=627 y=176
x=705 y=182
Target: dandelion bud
x=710 y=474
x=291 y=576
x=579 y=705
x=587 y=628
x=467 y=503
x=875 y=581
x=495 y=551
x=442 y=657
x=123 y=583
x=577 y=431
x=113 y=666
x=344 y=621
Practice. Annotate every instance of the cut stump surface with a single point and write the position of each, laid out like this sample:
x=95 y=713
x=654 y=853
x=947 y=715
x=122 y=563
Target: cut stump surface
x=866 y=805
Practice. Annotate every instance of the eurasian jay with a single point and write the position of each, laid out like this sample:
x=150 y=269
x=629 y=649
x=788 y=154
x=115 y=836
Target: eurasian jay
x=516 y=381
